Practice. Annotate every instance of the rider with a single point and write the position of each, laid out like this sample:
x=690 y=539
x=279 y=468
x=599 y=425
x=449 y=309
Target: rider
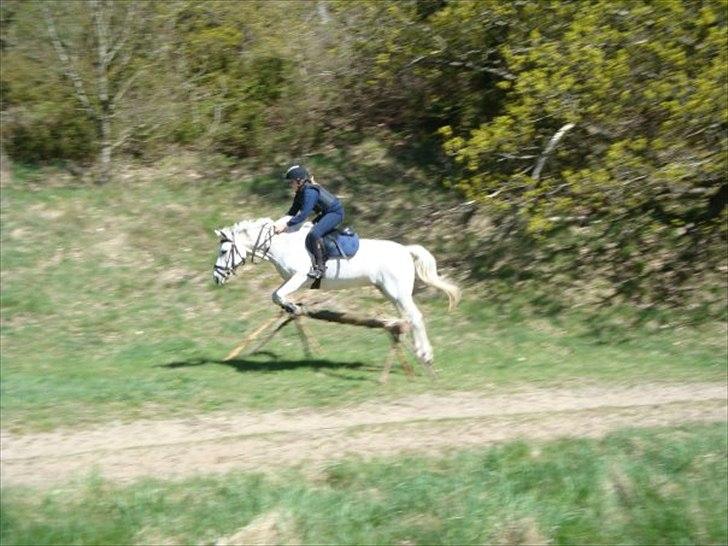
x=311 y=197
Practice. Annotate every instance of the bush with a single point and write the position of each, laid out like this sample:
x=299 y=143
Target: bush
x=48 y=131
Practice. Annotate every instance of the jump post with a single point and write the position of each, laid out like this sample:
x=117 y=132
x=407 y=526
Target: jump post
x=396 y=328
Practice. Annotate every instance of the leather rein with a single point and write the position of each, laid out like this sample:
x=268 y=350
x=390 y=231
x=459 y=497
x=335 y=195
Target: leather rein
x=264 y=246
x=260 y=250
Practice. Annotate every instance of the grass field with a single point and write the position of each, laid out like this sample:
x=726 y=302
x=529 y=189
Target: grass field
x=664 y=486
x=109 y=312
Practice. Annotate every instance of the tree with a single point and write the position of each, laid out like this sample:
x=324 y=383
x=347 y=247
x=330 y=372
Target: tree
x=40 y=115
x=104 y=49
x=611 y=145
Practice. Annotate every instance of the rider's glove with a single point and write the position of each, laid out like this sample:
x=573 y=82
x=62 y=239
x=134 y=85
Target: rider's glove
x=280 y=225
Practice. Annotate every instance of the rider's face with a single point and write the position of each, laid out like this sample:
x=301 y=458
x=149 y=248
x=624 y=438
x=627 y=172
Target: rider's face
x=295 y=185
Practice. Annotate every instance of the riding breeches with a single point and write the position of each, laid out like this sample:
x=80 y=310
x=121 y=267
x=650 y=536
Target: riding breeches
x=328 y=222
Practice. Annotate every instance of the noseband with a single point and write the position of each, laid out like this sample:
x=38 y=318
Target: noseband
x=229 y=268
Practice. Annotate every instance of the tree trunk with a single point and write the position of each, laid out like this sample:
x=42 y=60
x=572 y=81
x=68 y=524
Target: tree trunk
x=101 y=20
x=105 y=153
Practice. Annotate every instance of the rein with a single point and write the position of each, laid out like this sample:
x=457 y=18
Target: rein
x=264 y=246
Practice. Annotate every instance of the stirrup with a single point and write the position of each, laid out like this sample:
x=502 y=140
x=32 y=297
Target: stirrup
x=316 y=273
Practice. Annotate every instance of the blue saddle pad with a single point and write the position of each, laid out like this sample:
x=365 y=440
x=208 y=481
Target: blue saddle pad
x=341 y=243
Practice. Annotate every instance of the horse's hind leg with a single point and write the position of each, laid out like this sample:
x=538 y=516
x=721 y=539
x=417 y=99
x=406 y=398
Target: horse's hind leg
x=423 y=349
x=408 y=310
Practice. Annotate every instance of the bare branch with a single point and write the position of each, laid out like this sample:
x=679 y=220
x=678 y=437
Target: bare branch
x=126 y=32
x=579 y=218
x=122 y=138
x=124 y=88
x=66 y=64
x=489 y=69
x=418 y=59
x=549 y=148
x=323 y=11
x=467 y=64
x=102 y=32
x=506 y=157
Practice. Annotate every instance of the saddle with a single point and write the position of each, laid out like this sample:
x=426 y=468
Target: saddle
x=341 y=243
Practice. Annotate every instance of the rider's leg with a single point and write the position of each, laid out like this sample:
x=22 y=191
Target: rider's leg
x=316 y=247
x=315 y=243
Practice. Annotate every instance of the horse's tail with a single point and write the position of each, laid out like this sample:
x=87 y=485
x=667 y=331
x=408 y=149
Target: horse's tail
x=426 y=269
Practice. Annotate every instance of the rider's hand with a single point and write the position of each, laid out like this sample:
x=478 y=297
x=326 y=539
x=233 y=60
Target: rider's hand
x=278 y=228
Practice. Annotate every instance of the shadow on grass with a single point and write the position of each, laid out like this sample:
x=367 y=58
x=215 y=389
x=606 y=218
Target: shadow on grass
x=246 y=365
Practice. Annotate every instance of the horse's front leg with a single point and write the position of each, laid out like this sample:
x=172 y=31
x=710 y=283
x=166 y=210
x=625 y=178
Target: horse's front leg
x=280 y=296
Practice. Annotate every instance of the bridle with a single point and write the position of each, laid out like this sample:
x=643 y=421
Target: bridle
x=230 y=266
x=260 y=249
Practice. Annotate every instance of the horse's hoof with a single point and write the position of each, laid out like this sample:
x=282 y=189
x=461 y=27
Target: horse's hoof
x=291 y=308
x=426 y=357
x=428 y=363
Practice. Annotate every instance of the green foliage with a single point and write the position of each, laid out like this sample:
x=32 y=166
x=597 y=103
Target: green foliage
x=47 y=131
x=41 y=118
x=665 y=486
x=635 y=193
x=79 y=77
x=629 y=201
x=240 y=74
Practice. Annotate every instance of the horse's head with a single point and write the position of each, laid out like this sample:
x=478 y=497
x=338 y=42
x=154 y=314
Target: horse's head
x=229 y=257
x=237 y=243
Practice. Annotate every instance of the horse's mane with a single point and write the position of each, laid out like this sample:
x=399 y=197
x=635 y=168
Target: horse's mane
x=237 y=226
x=261 y=221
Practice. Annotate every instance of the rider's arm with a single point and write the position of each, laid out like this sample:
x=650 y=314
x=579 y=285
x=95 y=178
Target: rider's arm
x=310 y=196
x=295 y=207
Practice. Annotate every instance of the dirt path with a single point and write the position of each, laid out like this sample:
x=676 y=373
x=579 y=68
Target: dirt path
x=423 y=423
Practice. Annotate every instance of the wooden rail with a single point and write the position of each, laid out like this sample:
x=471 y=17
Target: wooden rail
x=396 y=328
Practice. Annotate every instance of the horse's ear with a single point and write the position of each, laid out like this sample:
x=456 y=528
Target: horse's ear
x=218 y=233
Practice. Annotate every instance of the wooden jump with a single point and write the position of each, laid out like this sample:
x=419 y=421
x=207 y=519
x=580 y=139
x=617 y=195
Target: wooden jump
x=396 y=328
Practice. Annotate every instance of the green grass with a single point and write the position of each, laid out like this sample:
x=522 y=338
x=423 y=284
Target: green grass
x=661 y=486
x=109 y=312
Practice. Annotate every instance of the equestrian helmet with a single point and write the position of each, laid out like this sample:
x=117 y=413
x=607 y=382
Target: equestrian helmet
x=297 y=172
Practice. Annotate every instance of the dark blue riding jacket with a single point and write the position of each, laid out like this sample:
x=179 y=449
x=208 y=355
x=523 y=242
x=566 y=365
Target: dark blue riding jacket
x=313 y=198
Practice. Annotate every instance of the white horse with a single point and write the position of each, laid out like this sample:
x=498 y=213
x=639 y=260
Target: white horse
x=389 y=266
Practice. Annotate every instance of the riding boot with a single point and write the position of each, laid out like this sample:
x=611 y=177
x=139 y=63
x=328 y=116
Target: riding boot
x=319 y=262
